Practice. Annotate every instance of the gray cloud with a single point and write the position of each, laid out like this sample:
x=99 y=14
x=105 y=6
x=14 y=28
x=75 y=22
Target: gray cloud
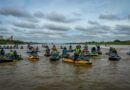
x=14 y=12
x=5 y=33
x=81 y=28
x=19 y=13
x=56 y=27
x=39 y=14
x=86 y=36
x=54 y=33
x=33 y=20
x=110 y=17
x=122 y=29
x=94 y=29
x=80 y=38
x=1 y=22
x=60 y=18
x=77 y=14
x=55 y=17
x=18 y=30
x=95 y=32
x=24 y=37
x=26 y=25
x=45 y=32
x=3 y=29
x=103 y=32
x=93 y=22
x=30 y=26
x=39 y=37
x=129 y=17
x=37 y=32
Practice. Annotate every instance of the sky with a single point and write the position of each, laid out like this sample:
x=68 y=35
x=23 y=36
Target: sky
x=65 y=20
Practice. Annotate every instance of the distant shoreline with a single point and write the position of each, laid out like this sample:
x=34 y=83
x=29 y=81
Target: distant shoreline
x=115 y=42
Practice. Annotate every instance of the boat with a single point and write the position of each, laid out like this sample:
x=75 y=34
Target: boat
x=68 y=60
x=33 y=58
x=114 y=57
x=107 y=53
x=47 y=54
x=8 y=59
x=33 y=51
x=5 y=59
x=65 y=56
x=54 y=58
x=2 y=61
x=99 y=52
x=128 y=53
x=77 y=61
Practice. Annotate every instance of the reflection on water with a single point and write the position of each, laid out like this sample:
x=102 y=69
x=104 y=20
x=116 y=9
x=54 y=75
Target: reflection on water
x=47 y=75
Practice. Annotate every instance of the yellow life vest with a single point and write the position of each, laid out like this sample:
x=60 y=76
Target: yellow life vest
x=77 y=51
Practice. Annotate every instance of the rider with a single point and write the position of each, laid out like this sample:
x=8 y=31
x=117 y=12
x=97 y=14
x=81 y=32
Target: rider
x=37 y=48
x=70 y=48
x=2 y=52
x=77 y=52
x=21 y=47
x=47 y=51
x=65 y=52
x=15 y=54
x=84 y=50
x=54 y=50
x=93 y=49
x=11 y=54
x=114 y=51
x=98 y=48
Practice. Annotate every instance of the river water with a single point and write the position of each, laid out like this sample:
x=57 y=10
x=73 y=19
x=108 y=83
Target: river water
x=46 y=75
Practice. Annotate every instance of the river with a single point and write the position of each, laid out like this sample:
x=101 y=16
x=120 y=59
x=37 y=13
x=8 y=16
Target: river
x=46 y=75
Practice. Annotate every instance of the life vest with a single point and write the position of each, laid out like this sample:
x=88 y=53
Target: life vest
x=11 y=53
x=77 y=51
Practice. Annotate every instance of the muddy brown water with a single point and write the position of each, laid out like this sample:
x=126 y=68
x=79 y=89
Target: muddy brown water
x=45 y=75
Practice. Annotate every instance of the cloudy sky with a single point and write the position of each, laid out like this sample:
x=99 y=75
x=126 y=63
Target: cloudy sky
x=65 y=20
